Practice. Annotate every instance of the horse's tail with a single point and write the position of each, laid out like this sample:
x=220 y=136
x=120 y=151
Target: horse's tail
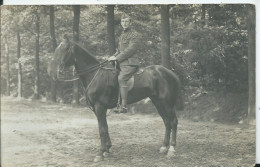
x=180 y=103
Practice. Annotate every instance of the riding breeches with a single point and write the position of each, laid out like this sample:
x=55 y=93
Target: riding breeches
x=125 y=74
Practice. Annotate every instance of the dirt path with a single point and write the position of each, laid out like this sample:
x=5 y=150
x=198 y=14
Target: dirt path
x=42 y=134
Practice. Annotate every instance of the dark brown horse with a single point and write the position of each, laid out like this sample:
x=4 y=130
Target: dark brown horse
x=101 y=90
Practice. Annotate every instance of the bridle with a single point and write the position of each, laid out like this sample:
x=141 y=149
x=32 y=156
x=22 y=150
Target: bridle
x=78 y=72
x=83 y=71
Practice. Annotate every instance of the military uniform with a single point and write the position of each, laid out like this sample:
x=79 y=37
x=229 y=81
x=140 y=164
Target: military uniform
x=129 y=42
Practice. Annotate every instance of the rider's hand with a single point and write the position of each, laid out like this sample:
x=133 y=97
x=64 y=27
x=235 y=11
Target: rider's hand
x=117 y=52
x=112 y=58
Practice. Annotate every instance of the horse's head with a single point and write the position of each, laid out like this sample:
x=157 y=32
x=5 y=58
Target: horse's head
x=63 y=57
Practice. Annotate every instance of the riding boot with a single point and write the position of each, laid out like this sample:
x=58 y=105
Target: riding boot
x=123 y=92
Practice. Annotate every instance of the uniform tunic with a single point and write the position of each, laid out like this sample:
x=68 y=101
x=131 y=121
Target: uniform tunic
x=129 y=42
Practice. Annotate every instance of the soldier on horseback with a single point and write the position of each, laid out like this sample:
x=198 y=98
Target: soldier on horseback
x=129 y=41
x=158 y=83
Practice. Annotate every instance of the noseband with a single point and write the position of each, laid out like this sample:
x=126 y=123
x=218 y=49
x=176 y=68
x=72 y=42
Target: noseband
x=62 y=66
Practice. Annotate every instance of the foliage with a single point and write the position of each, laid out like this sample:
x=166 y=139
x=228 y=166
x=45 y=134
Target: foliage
x=215 y=55
x=212 y=56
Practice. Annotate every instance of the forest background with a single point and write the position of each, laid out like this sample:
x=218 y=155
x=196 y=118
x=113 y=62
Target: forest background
x=210 y=47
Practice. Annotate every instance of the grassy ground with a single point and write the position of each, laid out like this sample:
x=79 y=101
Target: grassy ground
x=35 y=133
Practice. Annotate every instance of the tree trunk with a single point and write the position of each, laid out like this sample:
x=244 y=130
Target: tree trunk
x=251 y=64
x=37 y=61
x=19 y=83
x=165 y=34
x=111 y=30
x=172 y=21
x=76 y=10
x=54 y=46
x=203 y=14
x=7 y=67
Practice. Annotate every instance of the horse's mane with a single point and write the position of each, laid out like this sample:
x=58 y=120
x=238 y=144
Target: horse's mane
x=85 y=53
x=107 y=75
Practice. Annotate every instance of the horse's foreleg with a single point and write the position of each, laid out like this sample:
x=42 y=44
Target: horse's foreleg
x=108 y=145
x=100 y=112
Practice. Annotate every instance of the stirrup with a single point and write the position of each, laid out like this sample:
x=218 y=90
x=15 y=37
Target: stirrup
x=123 y=110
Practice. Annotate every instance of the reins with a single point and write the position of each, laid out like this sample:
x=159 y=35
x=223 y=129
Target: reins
x=82 y=72
x=97 y=67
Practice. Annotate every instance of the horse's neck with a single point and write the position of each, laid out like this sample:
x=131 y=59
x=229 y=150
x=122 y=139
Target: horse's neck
x=80 y=65
x=83 y=68
x=84 y=58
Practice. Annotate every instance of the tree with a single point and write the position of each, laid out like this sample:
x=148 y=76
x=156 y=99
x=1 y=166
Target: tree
x=251 y=63
x=11 y=30
x=172 y=18
x=110 y=30
x=203 y=14
x=31 y=22
x=7 y=67
x=54 y=45
x=37 y=52
x=76 y=20
x=19 y=84
x=165 y=35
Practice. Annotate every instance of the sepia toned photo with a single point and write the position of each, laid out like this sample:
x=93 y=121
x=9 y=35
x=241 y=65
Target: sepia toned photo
x=128 y=85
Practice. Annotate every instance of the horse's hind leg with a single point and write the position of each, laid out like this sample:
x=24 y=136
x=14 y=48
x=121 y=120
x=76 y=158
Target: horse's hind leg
x=161 y=110
x=174 y=124
x=166 y=140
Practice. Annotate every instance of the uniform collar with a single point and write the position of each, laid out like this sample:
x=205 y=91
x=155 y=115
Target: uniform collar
x=127 y=30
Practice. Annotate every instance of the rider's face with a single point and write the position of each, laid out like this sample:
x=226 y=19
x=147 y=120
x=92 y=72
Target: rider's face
x=125 y=22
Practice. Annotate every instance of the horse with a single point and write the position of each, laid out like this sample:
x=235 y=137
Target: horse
x=99 y=80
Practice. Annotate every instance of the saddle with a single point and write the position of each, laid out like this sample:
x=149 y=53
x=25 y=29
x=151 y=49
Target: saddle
x=130 y=82
x=130 y=85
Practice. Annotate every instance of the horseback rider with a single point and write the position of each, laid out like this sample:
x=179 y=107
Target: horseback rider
x=129 y=41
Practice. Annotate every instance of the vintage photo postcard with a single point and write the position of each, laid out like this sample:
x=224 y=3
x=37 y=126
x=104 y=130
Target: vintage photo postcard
x=128 y=85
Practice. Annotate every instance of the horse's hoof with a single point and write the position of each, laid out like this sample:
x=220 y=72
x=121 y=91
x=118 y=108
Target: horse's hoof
x=98 y=158
x=171 y=152
x=163 y=150
x=107 y=154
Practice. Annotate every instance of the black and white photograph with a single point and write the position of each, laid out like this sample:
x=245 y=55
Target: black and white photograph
x=128 y=85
